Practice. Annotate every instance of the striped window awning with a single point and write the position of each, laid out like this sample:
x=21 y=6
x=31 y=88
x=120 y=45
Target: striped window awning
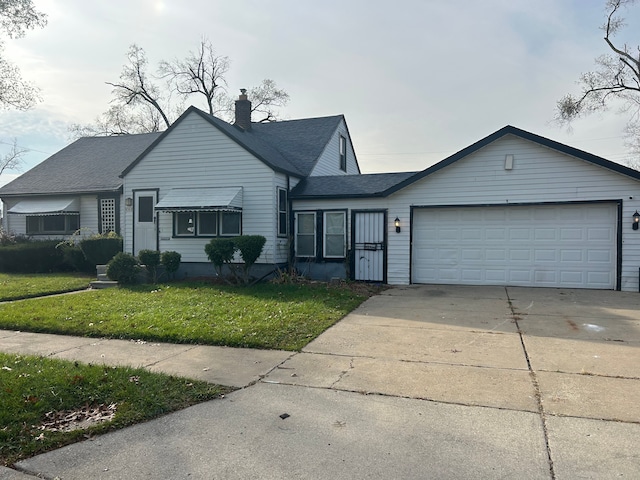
x=46 y=206
x=212 y=199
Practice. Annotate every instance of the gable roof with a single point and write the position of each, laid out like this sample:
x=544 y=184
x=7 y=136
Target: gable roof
x=88 y=165
x=382 y=185
x=348 y=186
x=291 y=146
x=510 y=130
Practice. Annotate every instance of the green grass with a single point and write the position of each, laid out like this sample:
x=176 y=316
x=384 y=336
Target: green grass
x=266 y=316
x=18 y=286
x=30 y=387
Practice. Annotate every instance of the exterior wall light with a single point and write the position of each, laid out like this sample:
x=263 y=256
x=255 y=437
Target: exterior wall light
x=636 y=220
x=397 y=224
x=128 y=202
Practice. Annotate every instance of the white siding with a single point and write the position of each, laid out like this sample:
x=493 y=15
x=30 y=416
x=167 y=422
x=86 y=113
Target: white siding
x=89 y=214
x=539 y=174
x=329 y=161
x=195 y=154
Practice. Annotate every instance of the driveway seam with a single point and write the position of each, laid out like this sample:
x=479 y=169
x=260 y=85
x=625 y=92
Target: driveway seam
x=536 y=385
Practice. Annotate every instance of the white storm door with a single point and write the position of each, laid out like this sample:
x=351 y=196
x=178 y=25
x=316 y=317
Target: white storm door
x=145 y=234
x=369 y=246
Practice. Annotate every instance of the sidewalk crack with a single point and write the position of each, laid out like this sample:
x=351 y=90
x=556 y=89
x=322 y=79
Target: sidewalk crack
x=342 y=374
x=536 y=385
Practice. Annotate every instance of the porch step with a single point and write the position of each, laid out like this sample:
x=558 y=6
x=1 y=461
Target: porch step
x=99 y=284
x=103 y=281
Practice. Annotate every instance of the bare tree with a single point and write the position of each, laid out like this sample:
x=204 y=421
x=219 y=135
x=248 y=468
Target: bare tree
x=142 y=102
x=135 y=87
x=201 y=72
x=12 y=160
x=617 y=77
x=16 y=17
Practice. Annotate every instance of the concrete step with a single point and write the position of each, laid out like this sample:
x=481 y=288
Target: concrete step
x=99 y=284
x=103 y=277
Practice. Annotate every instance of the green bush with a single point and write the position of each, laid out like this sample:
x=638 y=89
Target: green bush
x=250 y=247
x=171 y=262
x=151 y=260
x=123 y=268
x=99 y=249
x=220 y=251
x=32 y=257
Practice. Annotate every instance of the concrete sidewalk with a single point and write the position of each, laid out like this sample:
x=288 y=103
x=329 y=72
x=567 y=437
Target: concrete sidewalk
x=235 y=367
x=419 y=382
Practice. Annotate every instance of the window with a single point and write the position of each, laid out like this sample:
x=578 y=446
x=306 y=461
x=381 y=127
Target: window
x=145 y=209
x=52 y=224
x=334 y=234
x=184 y=224
x=107 y=215
x=306 y=234
x=207 y=224
x=343 y=153
x=283 y=213
x=230 y=223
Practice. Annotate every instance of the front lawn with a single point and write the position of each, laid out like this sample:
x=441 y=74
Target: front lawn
x=16 y=286
x=270 y=316
x=43 y=401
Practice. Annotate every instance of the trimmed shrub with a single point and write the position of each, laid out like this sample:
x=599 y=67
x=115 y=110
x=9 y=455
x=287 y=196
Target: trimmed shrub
x=123 y=268
x=31 y=257
x=220 y=251
x=99 y=249
x=171 y=262
x=250 y=247
x=150 y=259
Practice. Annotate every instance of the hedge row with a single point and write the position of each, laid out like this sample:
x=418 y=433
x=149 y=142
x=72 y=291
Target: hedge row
x=53 y=256
x=33 y=257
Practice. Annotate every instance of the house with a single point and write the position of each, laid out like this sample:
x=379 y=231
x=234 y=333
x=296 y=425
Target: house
x=512 y=209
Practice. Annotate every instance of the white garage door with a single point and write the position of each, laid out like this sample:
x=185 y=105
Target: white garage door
x=571 y=246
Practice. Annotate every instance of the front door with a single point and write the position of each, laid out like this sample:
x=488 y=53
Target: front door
x=144 y=221
x=369 y=245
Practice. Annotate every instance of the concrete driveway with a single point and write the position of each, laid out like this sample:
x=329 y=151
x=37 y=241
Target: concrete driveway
x=419 y=382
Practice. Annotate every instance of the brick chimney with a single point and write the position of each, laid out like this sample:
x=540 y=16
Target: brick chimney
x=243 y=111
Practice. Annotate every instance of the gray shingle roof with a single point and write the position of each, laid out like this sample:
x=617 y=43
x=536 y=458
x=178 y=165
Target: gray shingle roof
x=349 y=186
x=96 y=164
x=291 y=146
x=90 y=164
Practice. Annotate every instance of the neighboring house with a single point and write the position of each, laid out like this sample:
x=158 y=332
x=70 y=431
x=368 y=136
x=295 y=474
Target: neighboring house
x=512 y=209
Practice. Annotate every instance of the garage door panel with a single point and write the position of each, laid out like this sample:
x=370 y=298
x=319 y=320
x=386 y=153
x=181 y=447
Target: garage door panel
x=567 y=256
x=575 y=234
x=546 y=234
x=546 y=256
x=595 y=234
x=571 y=246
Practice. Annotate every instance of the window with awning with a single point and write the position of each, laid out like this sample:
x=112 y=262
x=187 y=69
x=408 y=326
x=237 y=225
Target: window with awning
x=204 y=212
x=215 y=199
x=46 y=206
x=49 y=216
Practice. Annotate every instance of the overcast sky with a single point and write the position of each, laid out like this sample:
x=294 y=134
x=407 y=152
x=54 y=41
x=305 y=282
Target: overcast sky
x=417 y=80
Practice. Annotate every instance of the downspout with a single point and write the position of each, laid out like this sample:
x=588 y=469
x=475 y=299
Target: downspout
x=290 y=229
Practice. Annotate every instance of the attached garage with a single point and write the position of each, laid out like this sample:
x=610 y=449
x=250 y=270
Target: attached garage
x=511 y=209
x=571 y=245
